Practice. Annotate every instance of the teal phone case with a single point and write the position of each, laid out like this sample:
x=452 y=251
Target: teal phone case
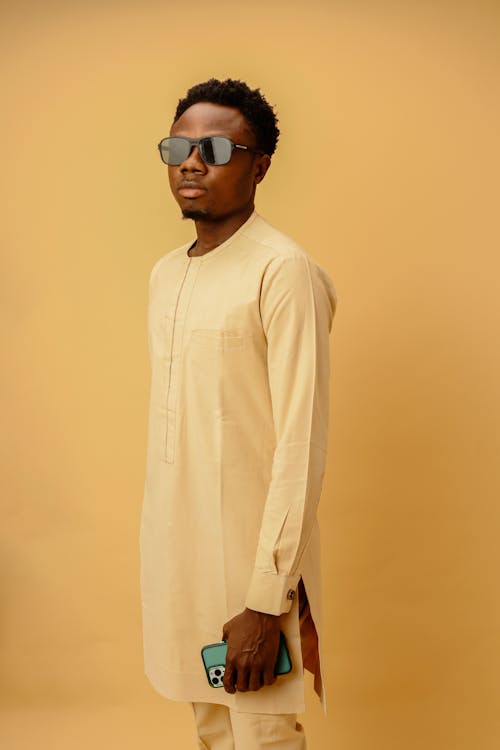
x=214 y=659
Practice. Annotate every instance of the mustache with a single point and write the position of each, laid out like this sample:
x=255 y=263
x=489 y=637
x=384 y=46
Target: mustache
x=190 y=184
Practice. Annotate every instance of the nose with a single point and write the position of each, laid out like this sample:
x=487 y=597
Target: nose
x=193 y=162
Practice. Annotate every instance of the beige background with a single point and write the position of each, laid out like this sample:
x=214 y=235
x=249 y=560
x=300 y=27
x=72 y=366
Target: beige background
x=387 y=173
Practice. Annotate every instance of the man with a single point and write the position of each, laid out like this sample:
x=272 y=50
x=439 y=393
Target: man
x=238 y=331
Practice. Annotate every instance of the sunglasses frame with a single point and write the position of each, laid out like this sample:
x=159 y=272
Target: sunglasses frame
x=196 y=142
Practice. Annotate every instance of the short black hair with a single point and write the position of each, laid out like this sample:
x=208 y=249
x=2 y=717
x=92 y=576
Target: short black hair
x=251 y=103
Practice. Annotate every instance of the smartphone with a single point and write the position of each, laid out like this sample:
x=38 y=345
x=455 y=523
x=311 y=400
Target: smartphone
x=214 y=660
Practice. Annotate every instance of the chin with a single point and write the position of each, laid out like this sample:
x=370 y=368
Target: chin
x=197 y=214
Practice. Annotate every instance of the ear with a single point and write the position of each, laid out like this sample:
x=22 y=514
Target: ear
x=262 y=164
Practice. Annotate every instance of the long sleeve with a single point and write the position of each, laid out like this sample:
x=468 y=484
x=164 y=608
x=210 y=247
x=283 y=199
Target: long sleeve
x=298 y=303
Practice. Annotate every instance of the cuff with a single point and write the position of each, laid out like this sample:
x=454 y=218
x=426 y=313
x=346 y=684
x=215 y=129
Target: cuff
x=271 y=593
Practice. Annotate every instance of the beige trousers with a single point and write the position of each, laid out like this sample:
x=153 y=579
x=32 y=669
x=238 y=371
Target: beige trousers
x=220 y=728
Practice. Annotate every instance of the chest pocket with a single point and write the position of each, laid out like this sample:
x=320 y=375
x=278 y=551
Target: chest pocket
x=218 y=340
x=218 y=370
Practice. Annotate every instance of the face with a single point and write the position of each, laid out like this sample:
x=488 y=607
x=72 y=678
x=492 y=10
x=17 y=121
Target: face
x=209 y=192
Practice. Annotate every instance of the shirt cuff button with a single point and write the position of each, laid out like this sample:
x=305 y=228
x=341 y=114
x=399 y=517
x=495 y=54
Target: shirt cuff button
x=291 y=594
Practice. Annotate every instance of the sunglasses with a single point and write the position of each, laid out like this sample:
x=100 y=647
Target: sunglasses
x=213 y=149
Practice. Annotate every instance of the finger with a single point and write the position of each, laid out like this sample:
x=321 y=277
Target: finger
x=269 y=678
x=242 y=680
x=229 y=679
x=256 y=680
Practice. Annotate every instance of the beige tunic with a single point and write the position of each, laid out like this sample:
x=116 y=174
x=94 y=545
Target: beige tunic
x=237 y=439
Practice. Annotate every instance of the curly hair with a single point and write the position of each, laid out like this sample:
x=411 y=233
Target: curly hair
x=250 y=102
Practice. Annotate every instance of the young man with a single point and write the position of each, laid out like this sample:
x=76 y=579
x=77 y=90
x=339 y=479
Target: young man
x=238 y=330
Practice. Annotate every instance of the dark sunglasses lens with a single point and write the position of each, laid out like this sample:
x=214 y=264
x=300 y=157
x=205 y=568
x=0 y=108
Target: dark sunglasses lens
x=174 y=150
x=216 y=150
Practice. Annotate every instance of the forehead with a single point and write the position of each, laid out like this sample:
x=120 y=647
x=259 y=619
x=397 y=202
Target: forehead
x=205 y=118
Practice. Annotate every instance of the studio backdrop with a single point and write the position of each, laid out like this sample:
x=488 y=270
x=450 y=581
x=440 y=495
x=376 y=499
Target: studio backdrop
x=386 y=172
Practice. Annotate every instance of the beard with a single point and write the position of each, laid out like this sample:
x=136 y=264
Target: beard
x=197 y=214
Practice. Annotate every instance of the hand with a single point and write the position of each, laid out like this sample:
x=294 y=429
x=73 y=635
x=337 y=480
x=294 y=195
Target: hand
x=253 y=640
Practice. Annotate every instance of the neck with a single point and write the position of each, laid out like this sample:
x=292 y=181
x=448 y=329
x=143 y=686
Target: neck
x=211 y=234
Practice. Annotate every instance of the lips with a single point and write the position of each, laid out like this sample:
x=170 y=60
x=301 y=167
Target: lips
x=190 y=189
x=190 y=192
